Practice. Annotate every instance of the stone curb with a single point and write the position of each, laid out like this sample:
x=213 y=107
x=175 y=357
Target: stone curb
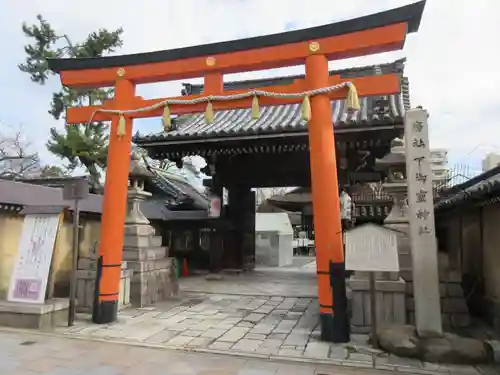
x=272 y=357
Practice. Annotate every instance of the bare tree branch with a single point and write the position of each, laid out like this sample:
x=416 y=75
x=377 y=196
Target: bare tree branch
x=16 y=159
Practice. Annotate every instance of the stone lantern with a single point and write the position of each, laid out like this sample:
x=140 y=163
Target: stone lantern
x=153 y=277
x=395 y=184
x=137 y=176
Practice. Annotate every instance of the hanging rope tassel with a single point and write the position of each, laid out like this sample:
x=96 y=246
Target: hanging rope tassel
x=166 y=119
x=209 y=113
x=305 y=110
x=352 y=100
x=121 y=129
x=255 y=108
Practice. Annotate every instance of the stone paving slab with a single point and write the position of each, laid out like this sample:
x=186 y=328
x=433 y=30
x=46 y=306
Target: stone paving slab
x=228 y=324
x=42 y=354
x=264 y=283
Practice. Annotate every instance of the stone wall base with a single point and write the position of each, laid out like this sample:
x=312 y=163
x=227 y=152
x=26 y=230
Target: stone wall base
x=85 y=285
x=390 y=299
x=44 y=316
x=454 y=310
x=152 y=281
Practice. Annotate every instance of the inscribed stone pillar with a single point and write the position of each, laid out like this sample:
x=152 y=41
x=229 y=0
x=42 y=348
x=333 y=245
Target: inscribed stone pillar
x=422 y=228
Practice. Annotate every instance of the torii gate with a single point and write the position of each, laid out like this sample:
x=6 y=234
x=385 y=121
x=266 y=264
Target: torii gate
x=314 y=47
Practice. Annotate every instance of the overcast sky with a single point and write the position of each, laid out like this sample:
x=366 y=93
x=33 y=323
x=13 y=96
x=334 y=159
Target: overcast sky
x=453 y=61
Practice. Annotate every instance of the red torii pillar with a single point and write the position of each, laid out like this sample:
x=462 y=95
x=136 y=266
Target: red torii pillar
x=325 y=195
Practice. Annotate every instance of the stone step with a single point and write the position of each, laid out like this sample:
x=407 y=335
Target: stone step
x=139 y=230
x=141 y=241
x=151 y=265
x=82 y=274
x=88 y=264
x=142 y=254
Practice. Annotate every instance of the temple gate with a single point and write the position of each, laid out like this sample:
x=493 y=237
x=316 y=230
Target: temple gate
x=314 y=47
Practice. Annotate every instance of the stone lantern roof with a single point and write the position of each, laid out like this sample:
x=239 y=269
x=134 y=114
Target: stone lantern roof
x=137 y=170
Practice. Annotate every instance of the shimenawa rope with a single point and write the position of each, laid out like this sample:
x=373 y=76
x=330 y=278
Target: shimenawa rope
x=352 y=102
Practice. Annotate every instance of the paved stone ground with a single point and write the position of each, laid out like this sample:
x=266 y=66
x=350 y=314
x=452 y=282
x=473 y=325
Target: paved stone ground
x=266 y=327
x=40 y=354
x=265 y=314
x=291 y=282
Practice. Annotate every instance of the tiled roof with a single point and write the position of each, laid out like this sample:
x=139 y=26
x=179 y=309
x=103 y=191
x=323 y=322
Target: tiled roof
x=278 y=119
x=18 y=193
x=179 y=189
x=483 y=189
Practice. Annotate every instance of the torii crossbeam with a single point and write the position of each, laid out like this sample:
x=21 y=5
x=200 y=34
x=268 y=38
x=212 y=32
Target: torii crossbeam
x=314 y=47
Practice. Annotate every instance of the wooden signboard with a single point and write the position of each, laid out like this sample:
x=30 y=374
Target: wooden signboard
x=371 y=248
x=34 y=256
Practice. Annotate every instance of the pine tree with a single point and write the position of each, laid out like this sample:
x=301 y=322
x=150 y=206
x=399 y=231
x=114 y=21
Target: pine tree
x=83 y=144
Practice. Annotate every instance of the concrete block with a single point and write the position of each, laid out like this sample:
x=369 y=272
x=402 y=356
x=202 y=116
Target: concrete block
x=442 y=289
x=142 y=241
x=454 y=305
x=454 y=276
x=460 y=320
x=446 y=320
x=87 y=264
x=141 y=254
x=139 y=230
x=454 y=290
x=152 y=281
x=360 y=329
x=34 y=316
x=380 y=285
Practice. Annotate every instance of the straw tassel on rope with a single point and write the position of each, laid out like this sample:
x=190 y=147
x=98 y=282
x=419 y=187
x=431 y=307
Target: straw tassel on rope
x=209 y=113
x=255 y=108
x=305 y=110
x=166 y=119
x=121 y=129
x=352 y=100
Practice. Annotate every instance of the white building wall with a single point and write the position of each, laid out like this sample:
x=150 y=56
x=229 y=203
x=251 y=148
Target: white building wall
x=491 y=160
x=438 y=159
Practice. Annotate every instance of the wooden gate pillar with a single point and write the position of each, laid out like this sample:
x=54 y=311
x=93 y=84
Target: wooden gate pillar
x=326 y=206
x=114 y=209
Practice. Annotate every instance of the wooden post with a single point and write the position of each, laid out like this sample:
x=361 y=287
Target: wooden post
x=327 y=225
x=74 y=266
x=114 y=208
x=373 y=310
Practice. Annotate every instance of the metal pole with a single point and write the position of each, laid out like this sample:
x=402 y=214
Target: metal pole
x=373 y=310
x=72 y=286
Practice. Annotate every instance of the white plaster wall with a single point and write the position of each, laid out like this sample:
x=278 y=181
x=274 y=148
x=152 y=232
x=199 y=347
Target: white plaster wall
x=273 y=249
